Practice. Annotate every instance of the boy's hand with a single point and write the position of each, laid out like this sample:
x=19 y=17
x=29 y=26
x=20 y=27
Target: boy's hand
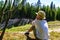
x=27 y=33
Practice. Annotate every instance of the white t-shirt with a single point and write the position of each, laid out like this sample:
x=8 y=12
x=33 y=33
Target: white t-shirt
x=41 y=27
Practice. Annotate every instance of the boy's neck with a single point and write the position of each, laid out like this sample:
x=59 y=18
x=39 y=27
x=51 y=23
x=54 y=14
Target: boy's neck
x=38 y=19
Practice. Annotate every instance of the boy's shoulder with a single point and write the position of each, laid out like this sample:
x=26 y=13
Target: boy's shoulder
x=44 y=21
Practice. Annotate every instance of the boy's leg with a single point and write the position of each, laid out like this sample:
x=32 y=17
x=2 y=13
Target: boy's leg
x=34 y=32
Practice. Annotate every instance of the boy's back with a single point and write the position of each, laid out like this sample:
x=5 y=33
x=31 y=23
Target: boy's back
x=41 y=28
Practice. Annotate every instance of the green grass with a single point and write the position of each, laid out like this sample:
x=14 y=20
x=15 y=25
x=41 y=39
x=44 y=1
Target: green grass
x=19 y=28
x=27 y=26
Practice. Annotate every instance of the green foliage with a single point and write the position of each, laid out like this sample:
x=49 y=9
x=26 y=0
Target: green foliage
x=58 y=13
x=20 y=9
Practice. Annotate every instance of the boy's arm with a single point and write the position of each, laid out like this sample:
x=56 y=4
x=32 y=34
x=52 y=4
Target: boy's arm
x=32 y=27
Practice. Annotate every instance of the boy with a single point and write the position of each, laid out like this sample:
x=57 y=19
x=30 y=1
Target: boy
x=40 y=26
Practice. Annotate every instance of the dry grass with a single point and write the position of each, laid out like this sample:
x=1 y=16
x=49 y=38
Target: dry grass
x=14 y=32
x=21 y=36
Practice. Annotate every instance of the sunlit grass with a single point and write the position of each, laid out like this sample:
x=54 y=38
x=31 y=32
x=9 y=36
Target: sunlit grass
x=52 y=25
x=19 y=28
x=54 y=36
x=21 y=36
x=13 y=33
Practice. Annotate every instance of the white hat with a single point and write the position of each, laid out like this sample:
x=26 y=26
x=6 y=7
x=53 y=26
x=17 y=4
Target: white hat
x=42 y=14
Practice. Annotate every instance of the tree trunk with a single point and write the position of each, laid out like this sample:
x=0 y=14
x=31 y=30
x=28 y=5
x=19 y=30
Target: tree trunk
x=2 y=34
x=1 y=11
x=8 y=17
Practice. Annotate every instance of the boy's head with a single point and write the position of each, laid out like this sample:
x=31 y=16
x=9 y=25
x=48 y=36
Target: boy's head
x=41 y=15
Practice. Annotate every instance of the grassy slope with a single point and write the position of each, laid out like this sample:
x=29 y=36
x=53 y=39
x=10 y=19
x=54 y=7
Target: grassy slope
x=19 y=28
x=52 y=25
x=11 y=35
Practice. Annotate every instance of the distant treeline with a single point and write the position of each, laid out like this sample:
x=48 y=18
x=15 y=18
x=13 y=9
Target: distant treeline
x=25 y=10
